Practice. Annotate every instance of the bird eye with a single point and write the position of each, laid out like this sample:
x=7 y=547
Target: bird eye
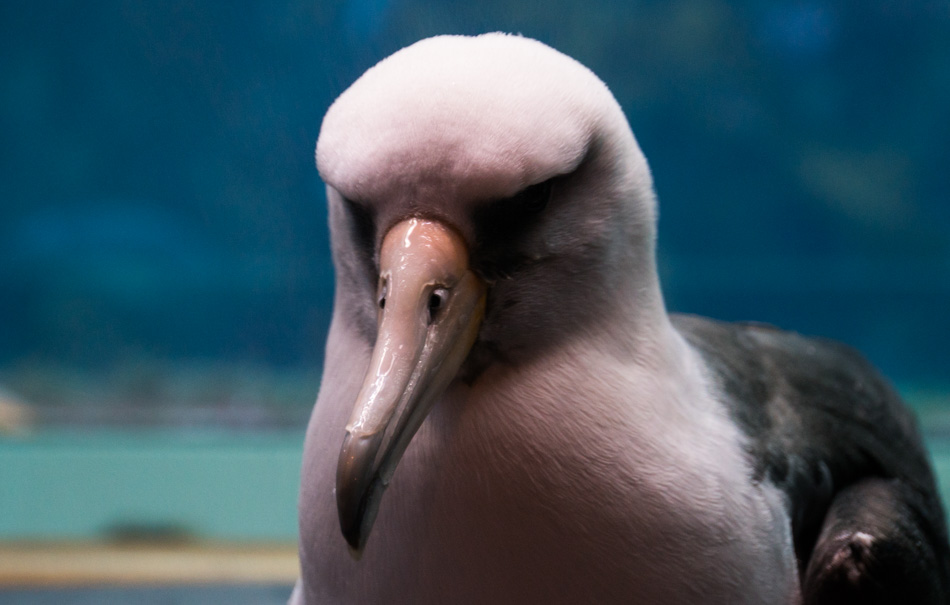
x=533 y=199
x=501 y=222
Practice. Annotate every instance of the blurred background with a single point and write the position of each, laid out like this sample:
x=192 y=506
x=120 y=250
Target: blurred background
x=165 y=279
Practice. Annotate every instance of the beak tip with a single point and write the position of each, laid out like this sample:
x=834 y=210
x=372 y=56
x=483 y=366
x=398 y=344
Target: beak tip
x=354 y=534
x=355 y=544
x=358 y=490
x=352 y=528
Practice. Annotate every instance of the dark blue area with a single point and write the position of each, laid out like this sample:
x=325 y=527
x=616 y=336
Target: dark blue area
x=159 y=197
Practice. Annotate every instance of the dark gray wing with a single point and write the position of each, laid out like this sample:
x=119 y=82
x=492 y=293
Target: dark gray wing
x=828 y=430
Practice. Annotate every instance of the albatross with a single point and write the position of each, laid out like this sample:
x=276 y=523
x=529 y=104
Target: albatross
x=508 y=414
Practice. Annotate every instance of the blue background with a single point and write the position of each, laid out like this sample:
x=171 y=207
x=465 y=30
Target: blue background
x=159 y=198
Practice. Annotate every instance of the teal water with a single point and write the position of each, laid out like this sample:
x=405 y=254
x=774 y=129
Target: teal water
x=60 y=484
x=157 y=484
x=150 y=595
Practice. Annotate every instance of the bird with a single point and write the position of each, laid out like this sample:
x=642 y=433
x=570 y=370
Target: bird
x=508 y=412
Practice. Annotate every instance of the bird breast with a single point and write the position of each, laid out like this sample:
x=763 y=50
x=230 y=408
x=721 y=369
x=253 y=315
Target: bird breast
x=578 y=496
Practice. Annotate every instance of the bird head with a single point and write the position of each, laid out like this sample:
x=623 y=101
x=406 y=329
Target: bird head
x=487 y=199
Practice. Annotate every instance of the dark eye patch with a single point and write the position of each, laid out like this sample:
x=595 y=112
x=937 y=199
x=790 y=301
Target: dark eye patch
x=500 y=224
x=362 y=227
x=530 y=200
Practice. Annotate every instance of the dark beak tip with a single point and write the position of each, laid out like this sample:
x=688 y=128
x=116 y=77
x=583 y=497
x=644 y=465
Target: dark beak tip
x=355 y=551
x=352 y=532
x=357 y=514
x=355 y=542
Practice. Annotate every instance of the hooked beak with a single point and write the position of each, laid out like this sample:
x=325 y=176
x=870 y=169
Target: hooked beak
x=430 y=309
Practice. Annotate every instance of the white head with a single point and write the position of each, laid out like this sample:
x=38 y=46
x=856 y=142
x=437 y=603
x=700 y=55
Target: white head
x=513 y=166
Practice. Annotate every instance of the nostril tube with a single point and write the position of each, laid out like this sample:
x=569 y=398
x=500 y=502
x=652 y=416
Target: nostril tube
x=436 y=302
x=383 y=291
